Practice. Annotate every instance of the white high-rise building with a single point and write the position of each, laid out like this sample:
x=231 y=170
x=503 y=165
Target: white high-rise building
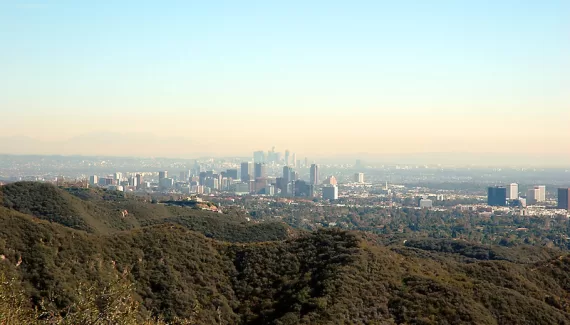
x=359 y=178
x=513 y=191
x=541 y=193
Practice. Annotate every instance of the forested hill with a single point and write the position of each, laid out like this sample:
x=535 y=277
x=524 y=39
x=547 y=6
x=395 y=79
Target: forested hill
x=104 y=212
x=53 y=273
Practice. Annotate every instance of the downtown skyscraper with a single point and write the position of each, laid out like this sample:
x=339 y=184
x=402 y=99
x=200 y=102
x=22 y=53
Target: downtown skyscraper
x=246 y=171
x=314 y=174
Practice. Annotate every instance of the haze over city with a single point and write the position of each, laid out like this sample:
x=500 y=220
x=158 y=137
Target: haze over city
x=284 y=162
x=187 y=79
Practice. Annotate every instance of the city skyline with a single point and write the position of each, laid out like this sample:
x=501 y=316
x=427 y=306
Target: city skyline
x=379 y=78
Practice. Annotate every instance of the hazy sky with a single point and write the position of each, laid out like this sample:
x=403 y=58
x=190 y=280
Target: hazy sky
x=316 y=77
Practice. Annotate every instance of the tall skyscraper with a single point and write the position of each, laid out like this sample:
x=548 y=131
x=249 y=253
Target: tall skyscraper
x=246 y=171
x=294 y=160
x=359 y=178
x=287 y=178
x=260 y=170
x=564 y=198
x=133 y=181
x=314 y=174
x=497 y=196
x=139 y=180
x=513 y=191
x=162 y=175
x=287 y=158
x=287 y=174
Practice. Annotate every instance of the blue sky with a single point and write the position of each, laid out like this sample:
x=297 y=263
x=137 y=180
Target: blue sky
x=362 y=66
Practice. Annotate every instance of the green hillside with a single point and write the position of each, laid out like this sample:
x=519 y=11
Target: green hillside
x=203 y=269
x=104 y=212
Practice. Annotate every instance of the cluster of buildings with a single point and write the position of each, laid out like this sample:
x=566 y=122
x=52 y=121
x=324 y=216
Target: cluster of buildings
x=250 y=178
x=509 y=196
x=120 y=182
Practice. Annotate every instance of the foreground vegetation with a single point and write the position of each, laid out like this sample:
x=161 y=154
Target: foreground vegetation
x=180 y=266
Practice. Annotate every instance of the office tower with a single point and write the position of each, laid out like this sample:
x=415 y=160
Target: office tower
x=287 y=174
x=139 y=180
x=306 y=162
x=303 y=189
x=241 y=188
x=314 y=174
x=294 y=160
x=133 y=182
x=294 y=176
x=541 y=193
x=497 y=196
x=298 y=164
x=166 y=183
x=118 y=177
x=260 y=170
x=287 y=178
x=564 y=198
x=279 y=183
x=162 y=175
x=532 y=195
x=260 y=185
x=93 y=180
x=513 y=191
x=246 y=171
x=426 y=203
x=359 y=178
x=259 y=156
x=202 y=178
x=330 y=192
x=287 y=161
x=232 y=173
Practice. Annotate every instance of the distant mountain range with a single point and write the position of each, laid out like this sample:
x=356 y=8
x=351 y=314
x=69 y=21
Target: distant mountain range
x=149 y=145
